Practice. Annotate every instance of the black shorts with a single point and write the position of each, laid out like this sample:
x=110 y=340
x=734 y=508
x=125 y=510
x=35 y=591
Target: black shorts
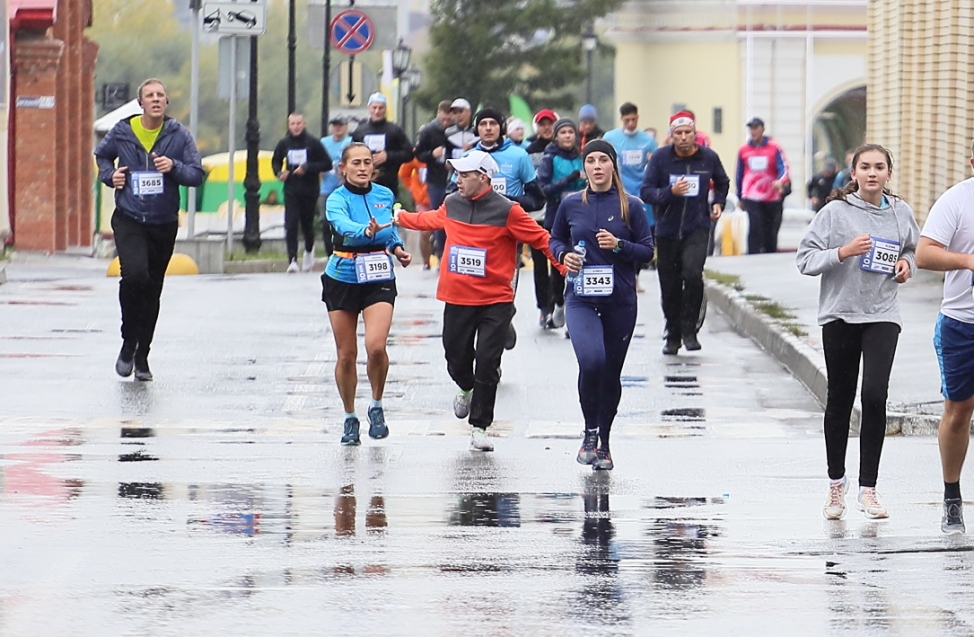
x=355 y=297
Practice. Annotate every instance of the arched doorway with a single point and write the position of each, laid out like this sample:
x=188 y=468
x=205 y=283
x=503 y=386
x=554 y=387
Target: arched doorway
x=839 y=127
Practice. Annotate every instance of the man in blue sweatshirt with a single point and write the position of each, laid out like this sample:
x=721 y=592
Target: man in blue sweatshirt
x=156 y=155
x=677 y=183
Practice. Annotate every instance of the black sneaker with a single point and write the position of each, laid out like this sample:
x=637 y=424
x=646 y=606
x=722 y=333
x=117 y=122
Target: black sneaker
x=350 y=437
x=142 y=372
x=586 y=454
x=671 y=348
x=603 y=460
x=691 y=343
x=377 y=423
x=126 y=359
x=511 y=337
x=953 y=520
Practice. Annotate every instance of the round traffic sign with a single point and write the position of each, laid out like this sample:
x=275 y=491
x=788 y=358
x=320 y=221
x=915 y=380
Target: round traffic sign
x=352 y=32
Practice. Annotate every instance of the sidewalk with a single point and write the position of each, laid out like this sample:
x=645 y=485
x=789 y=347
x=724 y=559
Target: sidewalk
x=915 y=403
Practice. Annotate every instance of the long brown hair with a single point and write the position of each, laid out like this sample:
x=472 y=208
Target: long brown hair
x=853 y=186
x=623 y=197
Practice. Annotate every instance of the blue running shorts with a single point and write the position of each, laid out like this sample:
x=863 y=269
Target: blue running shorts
x=954 y=342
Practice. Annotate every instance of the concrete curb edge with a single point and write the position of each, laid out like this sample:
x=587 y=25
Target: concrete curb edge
x=804 y=363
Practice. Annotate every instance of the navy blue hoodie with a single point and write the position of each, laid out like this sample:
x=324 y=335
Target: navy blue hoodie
x=577 y=221
x=678 y=216
x=174 y=142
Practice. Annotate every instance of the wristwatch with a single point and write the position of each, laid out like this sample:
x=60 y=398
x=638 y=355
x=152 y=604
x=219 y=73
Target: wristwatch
x=618 y=247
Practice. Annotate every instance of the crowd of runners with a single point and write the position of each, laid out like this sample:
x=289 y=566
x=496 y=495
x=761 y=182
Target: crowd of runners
x=594 y=208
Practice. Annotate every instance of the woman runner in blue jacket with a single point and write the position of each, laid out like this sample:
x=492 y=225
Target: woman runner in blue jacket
x=600 y=234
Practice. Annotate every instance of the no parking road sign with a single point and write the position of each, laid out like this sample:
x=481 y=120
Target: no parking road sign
x=352 y=32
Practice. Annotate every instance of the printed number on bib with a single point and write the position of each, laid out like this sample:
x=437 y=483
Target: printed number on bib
x=297 y=157
x=632 y=157
x=376 y=143
x=499 y=184
x=692 y=180
x=374 y=266
x=757 y=163
x=146 y=183
x=595 y=281
x=469 y=261
x=882 y=257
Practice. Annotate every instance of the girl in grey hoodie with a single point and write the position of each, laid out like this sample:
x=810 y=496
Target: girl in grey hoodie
x=862 y=243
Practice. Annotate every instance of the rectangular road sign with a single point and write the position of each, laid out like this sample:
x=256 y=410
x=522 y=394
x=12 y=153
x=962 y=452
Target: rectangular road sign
x=234 y=18
x=351 y=84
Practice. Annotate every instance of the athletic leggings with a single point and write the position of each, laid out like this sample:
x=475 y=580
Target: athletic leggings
x=601 y=337
x=845 y=343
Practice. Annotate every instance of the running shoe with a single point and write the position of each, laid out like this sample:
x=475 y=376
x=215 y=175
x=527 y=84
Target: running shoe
x=309 y=261
x=142 y=372
x=126 y=359
x=479 y=440
x=377 y=423
x=835 y=502
x=603 y=460
x=293 y=267
x=587 y=454
x=350 y=437
x=671 y=348
x=544 y=319
x=691 y=343
x=558 y=316
x=511 y=337
x=953 y=521
x=868 y=502
x=461 y=403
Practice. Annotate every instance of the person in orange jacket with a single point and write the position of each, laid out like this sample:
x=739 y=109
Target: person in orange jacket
x=412 y=175
x=476 y=282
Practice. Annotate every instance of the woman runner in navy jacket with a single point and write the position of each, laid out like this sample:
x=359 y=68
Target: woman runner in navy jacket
x=600 y=303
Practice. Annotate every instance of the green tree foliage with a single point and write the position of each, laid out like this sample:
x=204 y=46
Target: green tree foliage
x=485 y=51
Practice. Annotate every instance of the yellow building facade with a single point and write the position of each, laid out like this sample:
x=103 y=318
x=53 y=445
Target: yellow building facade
x=799 y=66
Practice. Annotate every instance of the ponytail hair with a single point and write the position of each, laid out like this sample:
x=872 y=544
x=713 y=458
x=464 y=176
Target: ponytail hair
x=840 y=194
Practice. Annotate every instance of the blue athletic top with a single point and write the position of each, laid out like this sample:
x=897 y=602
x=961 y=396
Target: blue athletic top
x=349 y=211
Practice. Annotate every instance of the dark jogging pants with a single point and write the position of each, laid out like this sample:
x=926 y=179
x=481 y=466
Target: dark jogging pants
x=144 y=251
x=549 y=284
x=299 y=210
x=764 y=218
x=679 y=264
x=600 y=337
x=475 y=334
x=844 y=344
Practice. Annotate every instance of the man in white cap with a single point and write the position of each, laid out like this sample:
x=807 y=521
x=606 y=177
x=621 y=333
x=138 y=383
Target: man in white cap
x=389 y=144
x=483 y=229
x=462 y=136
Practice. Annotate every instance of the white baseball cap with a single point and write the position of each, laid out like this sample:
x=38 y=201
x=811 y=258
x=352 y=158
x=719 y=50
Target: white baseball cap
x=475 y=160
x=460 y=104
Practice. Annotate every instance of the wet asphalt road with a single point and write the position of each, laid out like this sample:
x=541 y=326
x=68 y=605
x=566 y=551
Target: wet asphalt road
x=216 y=499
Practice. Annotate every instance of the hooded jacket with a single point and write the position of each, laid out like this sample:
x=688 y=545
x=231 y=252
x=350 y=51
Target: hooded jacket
x=848 y=292
x=176 y=143
x=394 y=141
x=559 y=174
x=315 y=162
x=518 y=179
x=679 y=215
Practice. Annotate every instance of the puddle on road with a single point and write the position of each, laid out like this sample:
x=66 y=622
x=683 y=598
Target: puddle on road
x=684 y=414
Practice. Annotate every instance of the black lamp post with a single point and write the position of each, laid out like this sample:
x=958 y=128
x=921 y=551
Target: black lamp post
x=292 y=42
x=590 y=42
x=326 y=72
x=251 y=237
x=400 y=62
x=413 y=78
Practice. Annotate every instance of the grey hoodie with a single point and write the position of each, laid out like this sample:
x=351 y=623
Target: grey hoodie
x=848 y=292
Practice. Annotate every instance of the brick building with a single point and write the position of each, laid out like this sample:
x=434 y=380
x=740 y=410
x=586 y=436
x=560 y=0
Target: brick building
x=921 y=83
x=50 y=124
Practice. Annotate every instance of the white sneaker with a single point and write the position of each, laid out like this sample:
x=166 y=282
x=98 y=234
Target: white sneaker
x=479 y=440
x=558 y=316
x=835 y=502
x=461 y=404
x=309 y=261
x=868 y=503
x=292 y=267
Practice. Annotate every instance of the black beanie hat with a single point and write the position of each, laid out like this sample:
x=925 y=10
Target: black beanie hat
x=601 y=146
x=490 y=113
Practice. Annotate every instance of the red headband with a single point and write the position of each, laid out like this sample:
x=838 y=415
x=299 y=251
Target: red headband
x=683 y=118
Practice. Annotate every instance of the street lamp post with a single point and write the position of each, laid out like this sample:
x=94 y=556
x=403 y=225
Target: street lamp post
x=326 y=72
x=251 y=236
x=413 y=77
x=400 y=62
x=590 y=42
x=292 y=42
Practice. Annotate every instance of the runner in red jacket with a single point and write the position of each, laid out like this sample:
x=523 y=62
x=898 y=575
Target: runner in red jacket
x=483 y=229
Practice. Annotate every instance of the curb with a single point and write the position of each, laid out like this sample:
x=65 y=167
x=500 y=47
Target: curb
x=262 y=266
x=804 y=363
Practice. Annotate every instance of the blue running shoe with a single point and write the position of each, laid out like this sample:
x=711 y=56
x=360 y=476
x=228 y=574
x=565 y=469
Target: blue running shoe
x=377 y=424
x=350 y=437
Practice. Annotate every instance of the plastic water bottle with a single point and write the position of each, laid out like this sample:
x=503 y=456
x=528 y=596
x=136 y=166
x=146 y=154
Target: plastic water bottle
x=581 y=252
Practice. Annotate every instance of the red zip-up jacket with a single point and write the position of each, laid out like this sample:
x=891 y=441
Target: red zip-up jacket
x=488 y=226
